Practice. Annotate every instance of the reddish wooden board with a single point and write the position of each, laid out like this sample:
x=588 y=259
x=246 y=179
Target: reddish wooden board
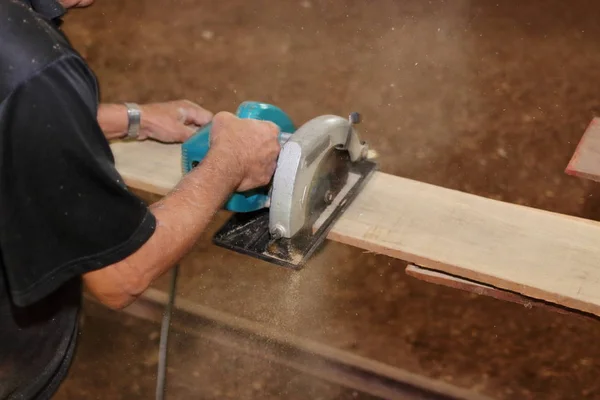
x=455 y=282
x=585 y=162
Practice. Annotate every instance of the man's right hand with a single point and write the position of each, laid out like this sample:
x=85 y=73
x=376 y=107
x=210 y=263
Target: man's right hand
x=242 y=156
x=248 y=149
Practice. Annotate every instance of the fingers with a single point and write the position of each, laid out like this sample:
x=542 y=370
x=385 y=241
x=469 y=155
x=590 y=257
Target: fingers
x=192 y=113
x=270 y=128
x=187 y=132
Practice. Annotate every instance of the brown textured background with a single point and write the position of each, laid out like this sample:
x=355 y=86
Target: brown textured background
x=486 y=97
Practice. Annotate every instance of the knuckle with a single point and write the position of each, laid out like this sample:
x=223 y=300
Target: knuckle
x=226 y=114
x=270 y=128
x=274 y=130
x=218 y=116
x=222 y=116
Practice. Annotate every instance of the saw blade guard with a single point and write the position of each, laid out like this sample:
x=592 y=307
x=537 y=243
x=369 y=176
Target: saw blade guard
x=299 y=163
x=196 y=147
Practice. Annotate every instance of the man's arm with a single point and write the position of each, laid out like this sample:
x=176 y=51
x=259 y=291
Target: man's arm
x=173 y=121
x=65 y=212
x=113 y=121
x=181 y=218
x=242 y=156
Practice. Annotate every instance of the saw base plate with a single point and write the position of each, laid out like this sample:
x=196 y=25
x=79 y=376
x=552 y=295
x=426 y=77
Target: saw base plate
x=248 y=233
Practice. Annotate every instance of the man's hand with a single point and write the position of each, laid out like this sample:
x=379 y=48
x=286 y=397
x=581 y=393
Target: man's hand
x=248 y=149
x=242 y=156
x=173 y=121
x=170 y=122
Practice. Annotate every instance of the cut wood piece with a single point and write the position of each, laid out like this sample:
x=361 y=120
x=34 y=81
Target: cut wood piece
x=536 y=253
x=455 y=282
x=585 y=162
x=543 y=255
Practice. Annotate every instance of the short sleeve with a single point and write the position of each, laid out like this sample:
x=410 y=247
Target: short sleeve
x=64 y=209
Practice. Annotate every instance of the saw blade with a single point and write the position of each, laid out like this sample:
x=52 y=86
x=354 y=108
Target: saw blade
x=248 y=233
x=329 y=179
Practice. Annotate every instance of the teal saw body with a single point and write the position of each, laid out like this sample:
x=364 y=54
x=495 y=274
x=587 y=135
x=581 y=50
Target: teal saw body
x=196 y=147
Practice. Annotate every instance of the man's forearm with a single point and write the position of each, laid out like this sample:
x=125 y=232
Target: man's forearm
x=113 y=120
x=181 y=217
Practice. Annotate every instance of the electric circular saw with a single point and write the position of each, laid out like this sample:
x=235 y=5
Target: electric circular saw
x=321 y=168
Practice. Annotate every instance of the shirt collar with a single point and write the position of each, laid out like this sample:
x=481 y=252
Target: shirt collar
x=49 y=9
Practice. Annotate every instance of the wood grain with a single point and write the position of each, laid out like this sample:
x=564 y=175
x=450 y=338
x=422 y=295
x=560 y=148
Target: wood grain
x=543 y=255
x=585 y=162
x=149 y=166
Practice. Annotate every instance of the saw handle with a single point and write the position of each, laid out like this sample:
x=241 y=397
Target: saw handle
x=196 y=147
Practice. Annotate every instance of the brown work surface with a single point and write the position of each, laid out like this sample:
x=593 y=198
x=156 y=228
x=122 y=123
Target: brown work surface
x=586 y=159
x=324 y=362
x=485 y=97
x=198 y=369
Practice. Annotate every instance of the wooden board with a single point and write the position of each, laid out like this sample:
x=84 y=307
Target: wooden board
x=149 y=166
x=585 y=162
x=543 y=255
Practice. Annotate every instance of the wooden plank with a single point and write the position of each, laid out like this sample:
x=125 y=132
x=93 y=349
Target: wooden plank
x=149 y=166
x=585 y=162
x=543 y=255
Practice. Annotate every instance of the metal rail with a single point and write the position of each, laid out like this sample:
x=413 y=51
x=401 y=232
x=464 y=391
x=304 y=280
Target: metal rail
x=324 y=362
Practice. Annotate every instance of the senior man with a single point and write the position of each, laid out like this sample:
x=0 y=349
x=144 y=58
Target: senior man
x=66 y=217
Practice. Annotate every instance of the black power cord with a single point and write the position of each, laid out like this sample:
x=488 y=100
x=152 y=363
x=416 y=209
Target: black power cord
x=164 y=336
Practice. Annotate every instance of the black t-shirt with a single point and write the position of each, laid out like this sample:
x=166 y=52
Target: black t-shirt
x=64 y=209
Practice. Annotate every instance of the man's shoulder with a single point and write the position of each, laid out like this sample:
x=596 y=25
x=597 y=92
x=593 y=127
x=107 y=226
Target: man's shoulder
x=29 y=45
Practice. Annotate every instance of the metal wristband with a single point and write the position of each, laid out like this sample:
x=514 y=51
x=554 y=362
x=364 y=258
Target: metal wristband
x=134 y=116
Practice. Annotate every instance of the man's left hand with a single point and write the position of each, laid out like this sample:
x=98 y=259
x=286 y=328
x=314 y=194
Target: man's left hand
x=169 y=122
x=173 y=121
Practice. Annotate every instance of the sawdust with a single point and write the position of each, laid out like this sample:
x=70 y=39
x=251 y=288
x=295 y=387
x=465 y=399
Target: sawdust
x=294 y=256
